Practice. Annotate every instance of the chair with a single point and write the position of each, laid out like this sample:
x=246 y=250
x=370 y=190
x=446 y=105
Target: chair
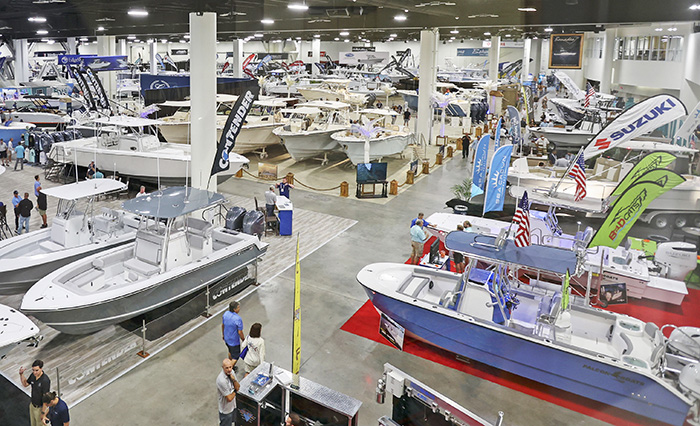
x=272 y=223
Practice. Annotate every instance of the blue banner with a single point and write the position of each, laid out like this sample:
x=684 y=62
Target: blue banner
x=478 y=51
x=498 y=175
x=153 y=82
x=96 y=63
x=160 y=61
x=497 y=135
x=265 y=60
x=481 y=153
x=514 y=124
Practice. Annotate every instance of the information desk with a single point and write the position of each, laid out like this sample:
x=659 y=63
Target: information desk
x=285 y=214
x=363 y=190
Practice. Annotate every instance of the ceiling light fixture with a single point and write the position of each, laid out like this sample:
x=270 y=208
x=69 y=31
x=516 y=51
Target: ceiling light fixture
x=51 y=41
x=392 y=35
x=344 y=33
x=131 y=37
x=454 y=32
x=36 y=19
x=527 y=9
x=487 y=33
x=452 y=38
x=163 y=40
x=508 y=35
x=83 y=39
x=257 y=35
x=138 y=13
x=187 y=36
x=100 y=28
x=346 y=41
x=336 y=39
x=549 y=29
x=695 y=7
x=317 y=35
x=297 y=6
x=42 y=32
x=267 y=21
x=400 y=18
x=673 y=29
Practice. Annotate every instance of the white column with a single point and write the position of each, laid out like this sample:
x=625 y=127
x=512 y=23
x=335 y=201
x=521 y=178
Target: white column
x=536 y=53
x=494 y=54
x=71 y=45
x=122 y=48
x=608 y=54
x=426 y=83
x=237 y=60
x=21 y=60
x=106 y=46
x=203 y=98
x=153 y=46
x=525 y=71
x=315 y=55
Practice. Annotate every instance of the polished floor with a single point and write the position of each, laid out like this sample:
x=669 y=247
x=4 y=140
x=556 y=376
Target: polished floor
x=176 y=386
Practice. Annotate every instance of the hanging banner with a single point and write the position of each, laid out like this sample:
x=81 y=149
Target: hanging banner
x=570 y=85
x=477 y=51
x=513 y=117
x=481 y=153
x=641 y=118
x=96 y=63
x=498 y=176
x=296 y=333
x=651 y=161
x=565 y=51
x=630 y=206
x=685 y=136
x=233 y=126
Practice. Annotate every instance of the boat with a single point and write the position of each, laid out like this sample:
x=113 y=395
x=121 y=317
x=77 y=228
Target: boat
x=328 y=90
x=310 y=126
x=491 y=317
x=73 y=234
x=15 y=328
x=40 y=119
x=172 y=257
x=133 y=150
x=388 y=140
x=14 y=130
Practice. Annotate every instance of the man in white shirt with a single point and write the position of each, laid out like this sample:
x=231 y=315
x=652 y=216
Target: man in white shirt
x=142 y=192
x=270 y=200
x=227 y=386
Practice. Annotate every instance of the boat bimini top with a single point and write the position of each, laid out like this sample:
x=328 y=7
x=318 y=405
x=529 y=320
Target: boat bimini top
x=172 y=202
x=85 y=189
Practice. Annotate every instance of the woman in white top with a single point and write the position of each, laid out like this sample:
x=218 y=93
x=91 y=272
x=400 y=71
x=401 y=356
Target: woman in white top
x=256 y=348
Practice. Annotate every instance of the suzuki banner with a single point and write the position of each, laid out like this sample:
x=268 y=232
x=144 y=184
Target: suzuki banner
x=638 y=120
x=651 y=161
x=481 y=153
x=498 y=175
x=233 y=126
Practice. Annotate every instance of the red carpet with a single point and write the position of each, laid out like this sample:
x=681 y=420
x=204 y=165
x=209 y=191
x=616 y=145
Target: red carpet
x=365 y=323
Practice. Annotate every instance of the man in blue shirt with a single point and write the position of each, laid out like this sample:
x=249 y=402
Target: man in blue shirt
x=19 y=153
x=37 y=186
x=15 y=201
x=420 y=217
x=55 y=410
x=284 y=187
x=232 y=331
x=418 y=238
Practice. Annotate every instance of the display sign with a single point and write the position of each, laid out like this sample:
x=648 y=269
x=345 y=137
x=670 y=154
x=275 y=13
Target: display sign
x=364 y=49
x=392 y=331
x=565 y=51
x=179 y=51
x=232 y=128
x=280 y=56
x=267 y=171
x=477 y=51
x=369 y=58
x=506 y=44
x=612 y=294
x=96 y=63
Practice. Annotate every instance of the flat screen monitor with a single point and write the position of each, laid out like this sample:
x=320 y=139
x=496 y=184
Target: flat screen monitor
x=434 y=252
x=371 y=172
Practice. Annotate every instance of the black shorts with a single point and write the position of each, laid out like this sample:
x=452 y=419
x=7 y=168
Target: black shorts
x=3 y=154
x=235 y=351
x=458 y=257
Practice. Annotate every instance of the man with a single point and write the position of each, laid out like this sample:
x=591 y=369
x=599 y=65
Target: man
x=91 y=170
x=15 y=202
x=552 y=157
x=42 y=205
x=3 y=153
x=37 y=186
x=19 y=153
x=232 y=331
x=40 y=384
x=406 y=117
x=292 y=419
x=25 y=211
x=418 y=238
x=466 y=140
x=55 y=410
x=142 y=192
x=420 y=217
x=10 y=151
x=270 y=200
x=284 y=187
x=227 y=386
x=99 y=174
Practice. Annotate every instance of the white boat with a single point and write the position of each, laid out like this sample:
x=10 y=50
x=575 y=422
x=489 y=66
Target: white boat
x=73 y=234
x=15 y=328
x=310 y=126
x=40 y=119
x=172 y=257
x=14 y=130
x=327 y=90
x=390 y=140
x=133 y=150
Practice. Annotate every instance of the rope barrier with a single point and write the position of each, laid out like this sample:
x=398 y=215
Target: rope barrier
x=296 y=180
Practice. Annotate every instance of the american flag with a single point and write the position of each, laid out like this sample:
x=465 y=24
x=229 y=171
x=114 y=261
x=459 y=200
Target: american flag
x=522 y=219
x=590 y=92
x=578 y=172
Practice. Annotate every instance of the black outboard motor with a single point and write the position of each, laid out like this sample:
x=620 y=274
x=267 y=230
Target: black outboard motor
x=254 y=222
x=234 y=218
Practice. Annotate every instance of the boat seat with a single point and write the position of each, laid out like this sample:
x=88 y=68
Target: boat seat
x=197 y=241
x=223 y=239
x=141 y=267
x=104 y=224
x=131 y=221
x=50 y=246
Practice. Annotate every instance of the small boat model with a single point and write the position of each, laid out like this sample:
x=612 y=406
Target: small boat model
x=73 y=234
x=15 y=328
x=173 y=256
x=536 y=332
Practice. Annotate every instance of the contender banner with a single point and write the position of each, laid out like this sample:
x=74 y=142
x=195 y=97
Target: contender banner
x=641 y=118
x=631 y=204
x=498 y=175
x=651 y=161
x=233 y=126
x=481 y=153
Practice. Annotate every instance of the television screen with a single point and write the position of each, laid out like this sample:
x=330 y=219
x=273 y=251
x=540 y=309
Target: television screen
x=371 y=172
x=434 y=252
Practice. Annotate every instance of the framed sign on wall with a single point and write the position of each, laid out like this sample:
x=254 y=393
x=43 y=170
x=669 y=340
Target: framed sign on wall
x=565 y=51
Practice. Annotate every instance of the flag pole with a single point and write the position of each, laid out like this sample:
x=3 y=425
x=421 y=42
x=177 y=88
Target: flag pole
x=296 y=321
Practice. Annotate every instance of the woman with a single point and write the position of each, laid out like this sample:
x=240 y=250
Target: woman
x=256 y=348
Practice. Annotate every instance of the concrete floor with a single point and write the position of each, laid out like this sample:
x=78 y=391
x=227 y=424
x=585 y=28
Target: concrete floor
x=176 y=386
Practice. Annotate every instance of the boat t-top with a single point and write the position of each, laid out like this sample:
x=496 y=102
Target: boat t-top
x=173 y=256
x=73 y=234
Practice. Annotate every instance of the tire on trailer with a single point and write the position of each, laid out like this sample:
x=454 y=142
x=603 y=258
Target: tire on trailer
x=661 y=221
x=696 y=220
x=679 y=221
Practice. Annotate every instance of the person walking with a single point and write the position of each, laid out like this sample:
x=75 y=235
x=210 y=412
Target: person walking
x=466 y=140
x=226 y=387
x=232 y=331
x=256 y=348
x=15 y=202
x=270 y=201
x=25 y=211
x=40 y=384
x=3 y=153
x=406 y=117
x=418 y=238
x=19 y=153
x=55 y=410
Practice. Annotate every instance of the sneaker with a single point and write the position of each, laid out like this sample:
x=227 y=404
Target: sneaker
x=44 y=226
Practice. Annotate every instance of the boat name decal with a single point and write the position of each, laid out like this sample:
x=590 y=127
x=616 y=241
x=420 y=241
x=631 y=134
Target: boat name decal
x=105 y=362
x=625 y=213
x=616 y=375
x=225 y=290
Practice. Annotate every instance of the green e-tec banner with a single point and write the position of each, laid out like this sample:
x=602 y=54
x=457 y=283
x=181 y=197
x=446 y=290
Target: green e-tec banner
x=651 y=161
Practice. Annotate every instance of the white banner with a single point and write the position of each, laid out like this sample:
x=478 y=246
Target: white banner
x=641 y=118
x=570 y=85
x=369 y=58
x=684 y=135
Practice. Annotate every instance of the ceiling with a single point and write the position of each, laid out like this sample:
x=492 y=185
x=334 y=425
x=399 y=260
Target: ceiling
x=241 y=18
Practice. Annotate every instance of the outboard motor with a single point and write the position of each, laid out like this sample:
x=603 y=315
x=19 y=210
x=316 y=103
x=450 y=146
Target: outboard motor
x=676 y=259
x=234 y=218
x=254 y=223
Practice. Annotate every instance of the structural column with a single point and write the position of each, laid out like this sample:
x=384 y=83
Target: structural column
x=122 y=48
x=106 y=46
x=426 y=84
x=237 y=58
x=21 y=60
x=536 y=53
x=525 y=71
x=153 y=46
x=608 y=54
x=494 y=54
x=315 y=55
x=71 y=46
x=203 y=98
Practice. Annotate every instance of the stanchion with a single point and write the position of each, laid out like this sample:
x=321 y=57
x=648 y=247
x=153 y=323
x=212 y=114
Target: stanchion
x=394 y=187
x=290 y=178
x=477 y=132
x=458 y=141
x=438 y=159
x=206 y=313
x=426 y=167
x=344 y=189
x=239 y=173
x=410 y=175
x=451 y=150
x=142 y=353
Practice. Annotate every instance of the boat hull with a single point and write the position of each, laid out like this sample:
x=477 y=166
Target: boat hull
x=563 y=138
x=302 y=146
x=379 y=147
x=250 y=139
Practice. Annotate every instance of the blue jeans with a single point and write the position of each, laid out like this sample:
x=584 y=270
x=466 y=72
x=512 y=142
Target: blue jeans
x=23 y=223
x=226 y=419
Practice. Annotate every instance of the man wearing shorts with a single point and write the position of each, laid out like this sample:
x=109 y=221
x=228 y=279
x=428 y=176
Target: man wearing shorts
x=41 y=205
x=3 y=153
x=418 y=238
x=232 y=331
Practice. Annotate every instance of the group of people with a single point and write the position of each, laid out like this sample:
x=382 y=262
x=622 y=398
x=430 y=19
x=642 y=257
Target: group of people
x=93 y=172
x=419 y=237
x=271 y=198
x=7 y=149
x=23 y=207
x=45 y=407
